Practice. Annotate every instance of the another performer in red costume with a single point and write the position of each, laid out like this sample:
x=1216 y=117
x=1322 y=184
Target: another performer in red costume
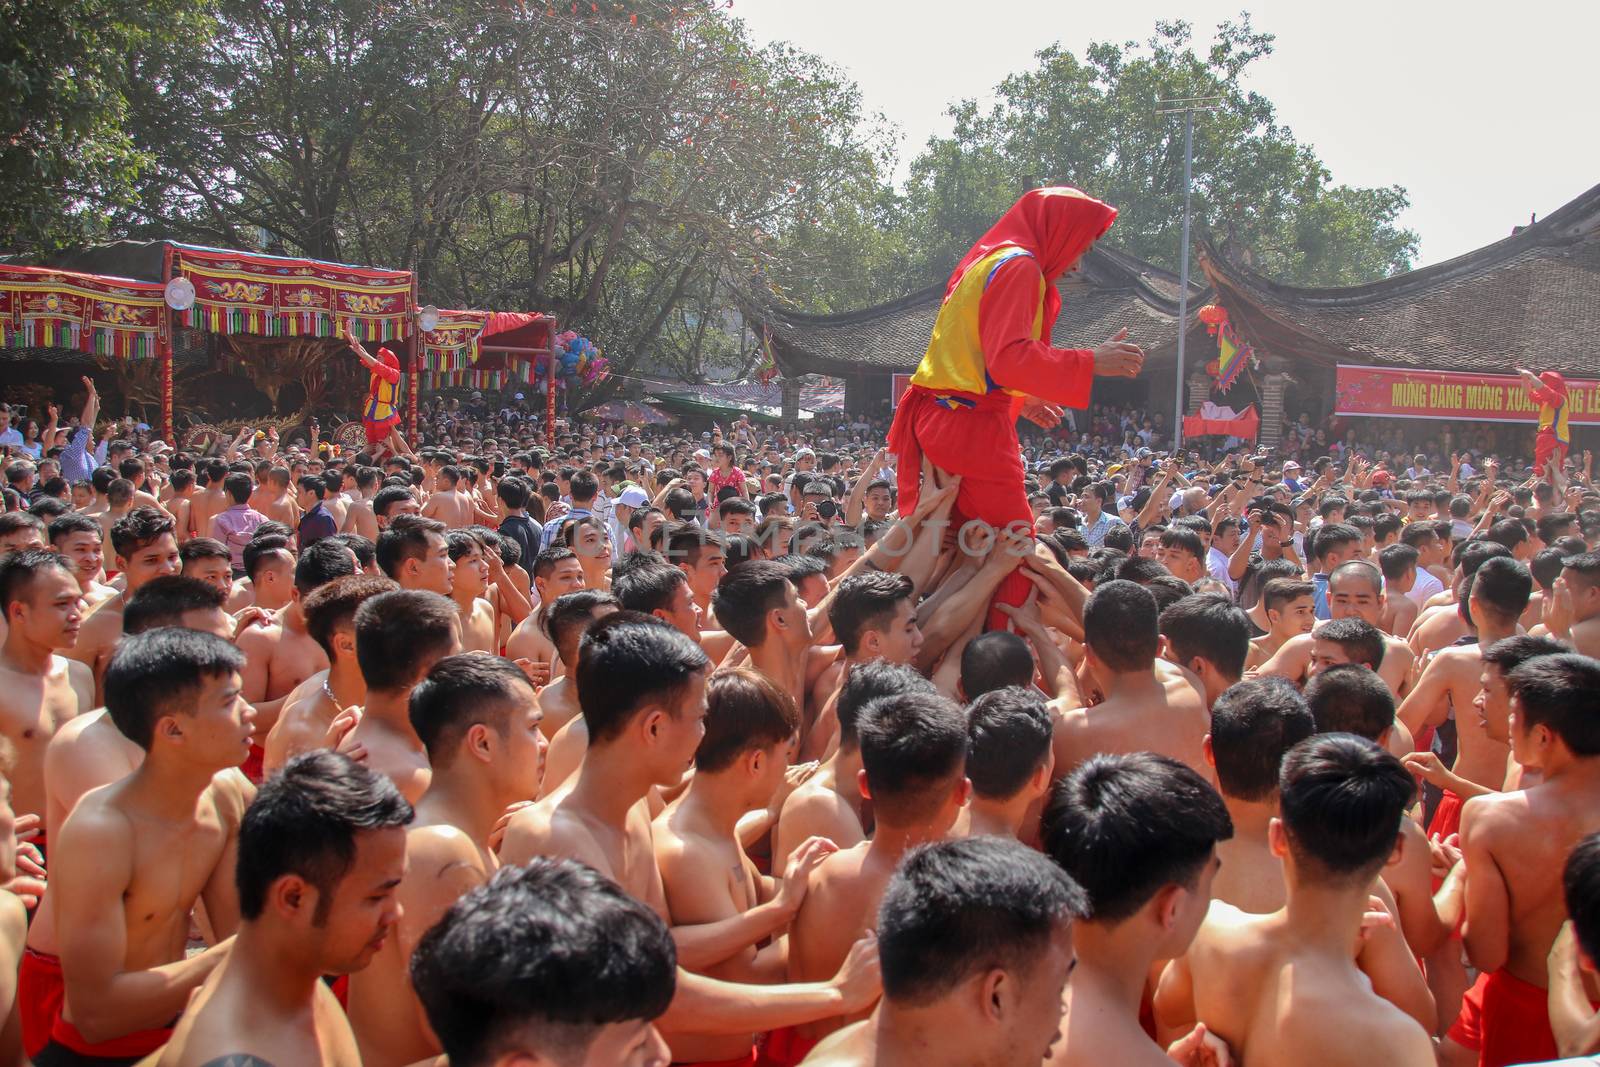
x=990 y=362
x=1549 y=391
x=381 y=414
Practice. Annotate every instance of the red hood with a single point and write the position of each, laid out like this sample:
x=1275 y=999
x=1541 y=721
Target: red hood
x=1057 y=224
x=1554 y=380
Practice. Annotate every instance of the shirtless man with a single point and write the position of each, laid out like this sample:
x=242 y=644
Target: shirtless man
x=1290 y=611
x=275 y=499
x=181 y=504
x=119 y=904
x=643 y=695
x=1009 y=760
x=310 y=710
x=1149 y=705
x=874 y=616
x=213 y=501
x=1514 y=845
x=13 y=932
x=39 y=690
x=414 y=553
x=399 y=637
x=913 y=756
x=1442 y=625
x=1253 y=726
x=1355 y=591
x=468 y=585
x=1284 y=988
x=268 y=574
x=1496 y=594
x=282 y=654
x=1209 y=636
x=448 y=504
x=207 y=559
x=760 y=607
x=310 y=904
x=1140 y=835
x=720 y=906
x=556 y=572
x=699 y=555
x=145 y=548
x=89 y=751
x=359 y=516
x=479 y=721
x=1399 y=566
x=981 y=978
x=590 y=1005
x=78 y=537
x=570 y=618
x=1581 y=577
x=830 y=803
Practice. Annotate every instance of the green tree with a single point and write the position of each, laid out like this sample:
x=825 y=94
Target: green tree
x=1091 y=121
x=67 y=158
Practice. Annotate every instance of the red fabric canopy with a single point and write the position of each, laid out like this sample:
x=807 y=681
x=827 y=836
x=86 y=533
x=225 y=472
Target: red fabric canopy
x=1247 y=425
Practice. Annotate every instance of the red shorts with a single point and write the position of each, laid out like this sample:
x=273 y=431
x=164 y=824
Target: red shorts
x=1544 y=447
x=978 y=442
x=40 y=994
x=785 y=1048
x=747 y=1060
x=254 y=764
x=1505 y=1021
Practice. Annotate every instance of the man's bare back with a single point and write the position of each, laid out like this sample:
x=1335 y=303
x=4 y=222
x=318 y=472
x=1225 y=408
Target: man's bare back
x=819 y=807
x=1167 y=716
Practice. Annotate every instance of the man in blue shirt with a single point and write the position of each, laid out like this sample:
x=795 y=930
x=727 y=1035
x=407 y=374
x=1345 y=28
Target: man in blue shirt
x=77 y=461
x=316 y=522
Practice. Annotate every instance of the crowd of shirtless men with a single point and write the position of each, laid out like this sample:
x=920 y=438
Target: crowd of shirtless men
x=321 y=758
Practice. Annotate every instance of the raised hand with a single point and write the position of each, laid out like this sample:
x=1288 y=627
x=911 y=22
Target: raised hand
x=1118 y=358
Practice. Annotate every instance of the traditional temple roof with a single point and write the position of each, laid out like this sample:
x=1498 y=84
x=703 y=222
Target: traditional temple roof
x=1532 y=299
x=1110 y=291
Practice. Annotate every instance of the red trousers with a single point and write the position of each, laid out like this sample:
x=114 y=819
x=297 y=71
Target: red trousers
x=976 y=439
x=1545 y=445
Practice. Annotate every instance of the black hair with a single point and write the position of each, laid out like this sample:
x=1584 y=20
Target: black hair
x=73 y=522
x=1008 y=740
x=400 y=634
x=332 y=606
x=1126 y=826
x=197 y=548
x=1350 y=699
x=1211 y=627
x=461 y=690
x=912 y=745
x=1330 y=536
x=305 y=821
x=1556 y=692
x=569 y=615
x=544 y=955
x=1396 y=560
x=958 y=908
x=1361 y=641
x=165 y=600
x=1580 y=883
x=238 y=487
x=1121 y=623
x=138 y=529
x=993 y=661
x=1253 y=724
x=866 y=601
x=744 y=711
x=1510 y=652
x=320 y=564
x=1503 y=585
x=647 y=588
x=746 y=595
x=1279 y=592
x=162 y=671
x=1342 y=798
x=259 y=549
x=1545 y=566
x=866 y=682
x=388 y=497
x=406 y=538
x=627 y=661
x=366 y=552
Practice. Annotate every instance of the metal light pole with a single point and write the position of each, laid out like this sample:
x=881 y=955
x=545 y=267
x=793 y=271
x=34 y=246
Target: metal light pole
x=1188 y=105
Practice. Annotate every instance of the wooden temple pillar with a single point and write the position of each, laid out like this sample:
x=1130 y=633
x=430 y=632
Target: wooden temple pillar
x=791 y=399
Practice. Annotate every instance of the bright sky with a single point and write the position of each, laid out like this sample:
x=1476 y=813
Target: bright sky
x=1482 y=111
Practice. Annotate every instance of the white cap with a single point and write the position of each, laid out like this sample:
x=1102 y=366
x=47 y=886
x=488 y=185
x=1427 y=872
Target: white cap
x=633 y=497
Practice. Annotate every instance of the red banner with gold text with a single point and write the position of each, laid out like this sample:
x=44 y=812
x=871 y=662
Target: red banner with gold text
x=1429 y=394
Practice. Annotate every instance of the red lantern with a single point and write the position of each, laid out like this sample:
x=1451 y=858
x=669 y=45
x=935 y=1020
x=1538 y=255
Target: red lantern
x=1215 y=316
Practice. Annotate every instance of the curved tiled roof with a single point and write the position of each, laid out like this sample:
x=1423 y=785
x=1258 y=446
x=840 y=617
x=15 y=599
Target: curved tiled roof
x=1110 y=292
x=1531 y=299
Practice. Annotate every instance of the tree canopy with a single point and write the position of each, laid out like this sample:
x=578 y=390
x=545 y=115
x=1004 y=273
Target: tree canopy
x=639 y=168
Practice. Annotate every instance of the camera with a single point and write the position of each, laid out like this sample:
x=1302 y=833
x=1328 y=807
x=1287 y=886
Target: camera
x=827 y=509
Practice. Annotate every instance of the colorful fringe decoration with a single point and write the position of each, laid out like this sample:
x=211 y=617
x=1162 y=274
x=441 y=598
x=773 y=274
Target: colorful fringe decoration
x=44 y=308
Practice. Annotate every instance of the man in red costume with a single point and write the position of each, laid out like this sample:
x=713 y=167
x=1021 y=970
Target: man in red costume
x=381 y=415
x=1549 y=391
x=990 y=362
